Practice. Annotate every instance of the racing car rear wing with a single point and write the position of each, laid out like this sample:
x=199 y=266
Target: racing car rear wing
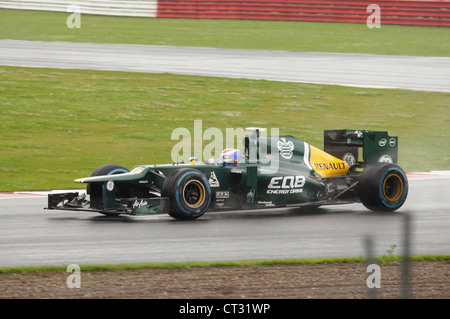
x=354 y=146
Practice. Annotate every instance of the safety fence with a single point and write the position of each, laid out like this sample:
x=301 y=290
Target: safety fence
x=146 y=8
x=407 y=12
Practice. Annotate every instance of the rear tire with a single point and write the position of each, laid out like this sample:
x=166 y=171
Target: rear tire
x=383 y=187
x=189 y=193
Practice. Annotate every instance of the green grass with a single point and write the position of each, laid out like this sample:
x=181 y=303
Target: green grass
x=242 y=34
x=58 y=125
x=205 y=264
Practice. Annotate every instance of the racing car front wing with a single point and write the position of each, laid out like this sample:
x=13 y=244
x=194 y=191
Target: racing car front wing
x=131 y=206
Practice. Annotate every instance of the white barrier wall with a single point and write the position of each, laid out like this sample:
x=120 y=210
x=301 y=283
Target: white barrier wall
x=144 y=8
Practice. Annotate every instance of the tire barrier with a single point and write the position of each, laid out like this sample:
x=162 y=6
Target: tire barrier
x=406 y=12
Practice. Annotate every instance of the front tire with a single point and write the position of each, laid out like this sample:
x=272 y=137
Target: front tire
x=189 y=193
x=383 y=187
x=107 y=169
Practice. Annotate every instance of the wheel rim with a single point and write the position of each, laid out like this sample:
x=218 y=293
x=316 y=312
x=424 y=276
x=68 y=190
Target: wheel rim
x=393 y=187
x=194 y=193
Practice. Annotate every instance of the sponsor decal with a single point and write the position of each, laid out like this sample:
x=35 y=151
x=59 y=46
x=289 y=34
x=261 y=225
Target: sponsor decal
x=325 y=164
x=332 y=135
x=349 y=158
x=329 y=166
x=110 y=186
x=382 y=142
x=385 y=159
x=140 y=203
x=266 y=203
x=213 y=181
x=286 y=148
x=286 y=185
x=392 y=142
x=222 y=194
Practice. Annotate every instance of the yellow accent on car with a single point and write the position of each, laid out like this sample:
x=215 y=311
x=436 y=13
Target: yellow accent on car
x=325 y=164
x=137 y=170
x=393 y=187
x=199 y=191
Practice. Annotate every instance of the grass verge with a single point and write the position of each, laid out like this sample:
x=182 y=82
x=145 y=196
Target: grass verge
x=58 y=125
x=206 y=264
x=238 y=34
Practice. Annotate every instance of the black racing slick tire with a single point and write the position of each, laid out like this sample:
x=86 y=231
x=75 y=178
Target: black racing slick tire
x=109 y=169
x=96 y=194
x=383 y=187
x=189 y=193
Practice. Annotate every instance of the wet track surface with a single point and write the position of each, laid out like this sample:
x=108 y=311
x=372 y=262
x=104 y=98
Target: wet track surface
x=30 y=235
x=361 y=70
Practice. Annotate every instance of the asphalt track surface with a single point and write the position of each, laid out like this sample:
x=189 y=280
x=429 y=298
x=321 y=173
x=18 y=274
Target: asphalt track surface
x=32 y=236
x=359 y=70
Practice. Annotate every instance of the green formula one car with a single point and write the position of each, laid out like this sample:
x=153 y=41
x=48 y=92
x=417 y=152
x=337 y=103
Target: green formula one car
x=271 y=172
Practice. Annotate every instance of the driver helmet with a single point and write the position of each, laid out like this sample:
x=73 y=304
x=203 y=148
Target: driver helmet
x=227 y=154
